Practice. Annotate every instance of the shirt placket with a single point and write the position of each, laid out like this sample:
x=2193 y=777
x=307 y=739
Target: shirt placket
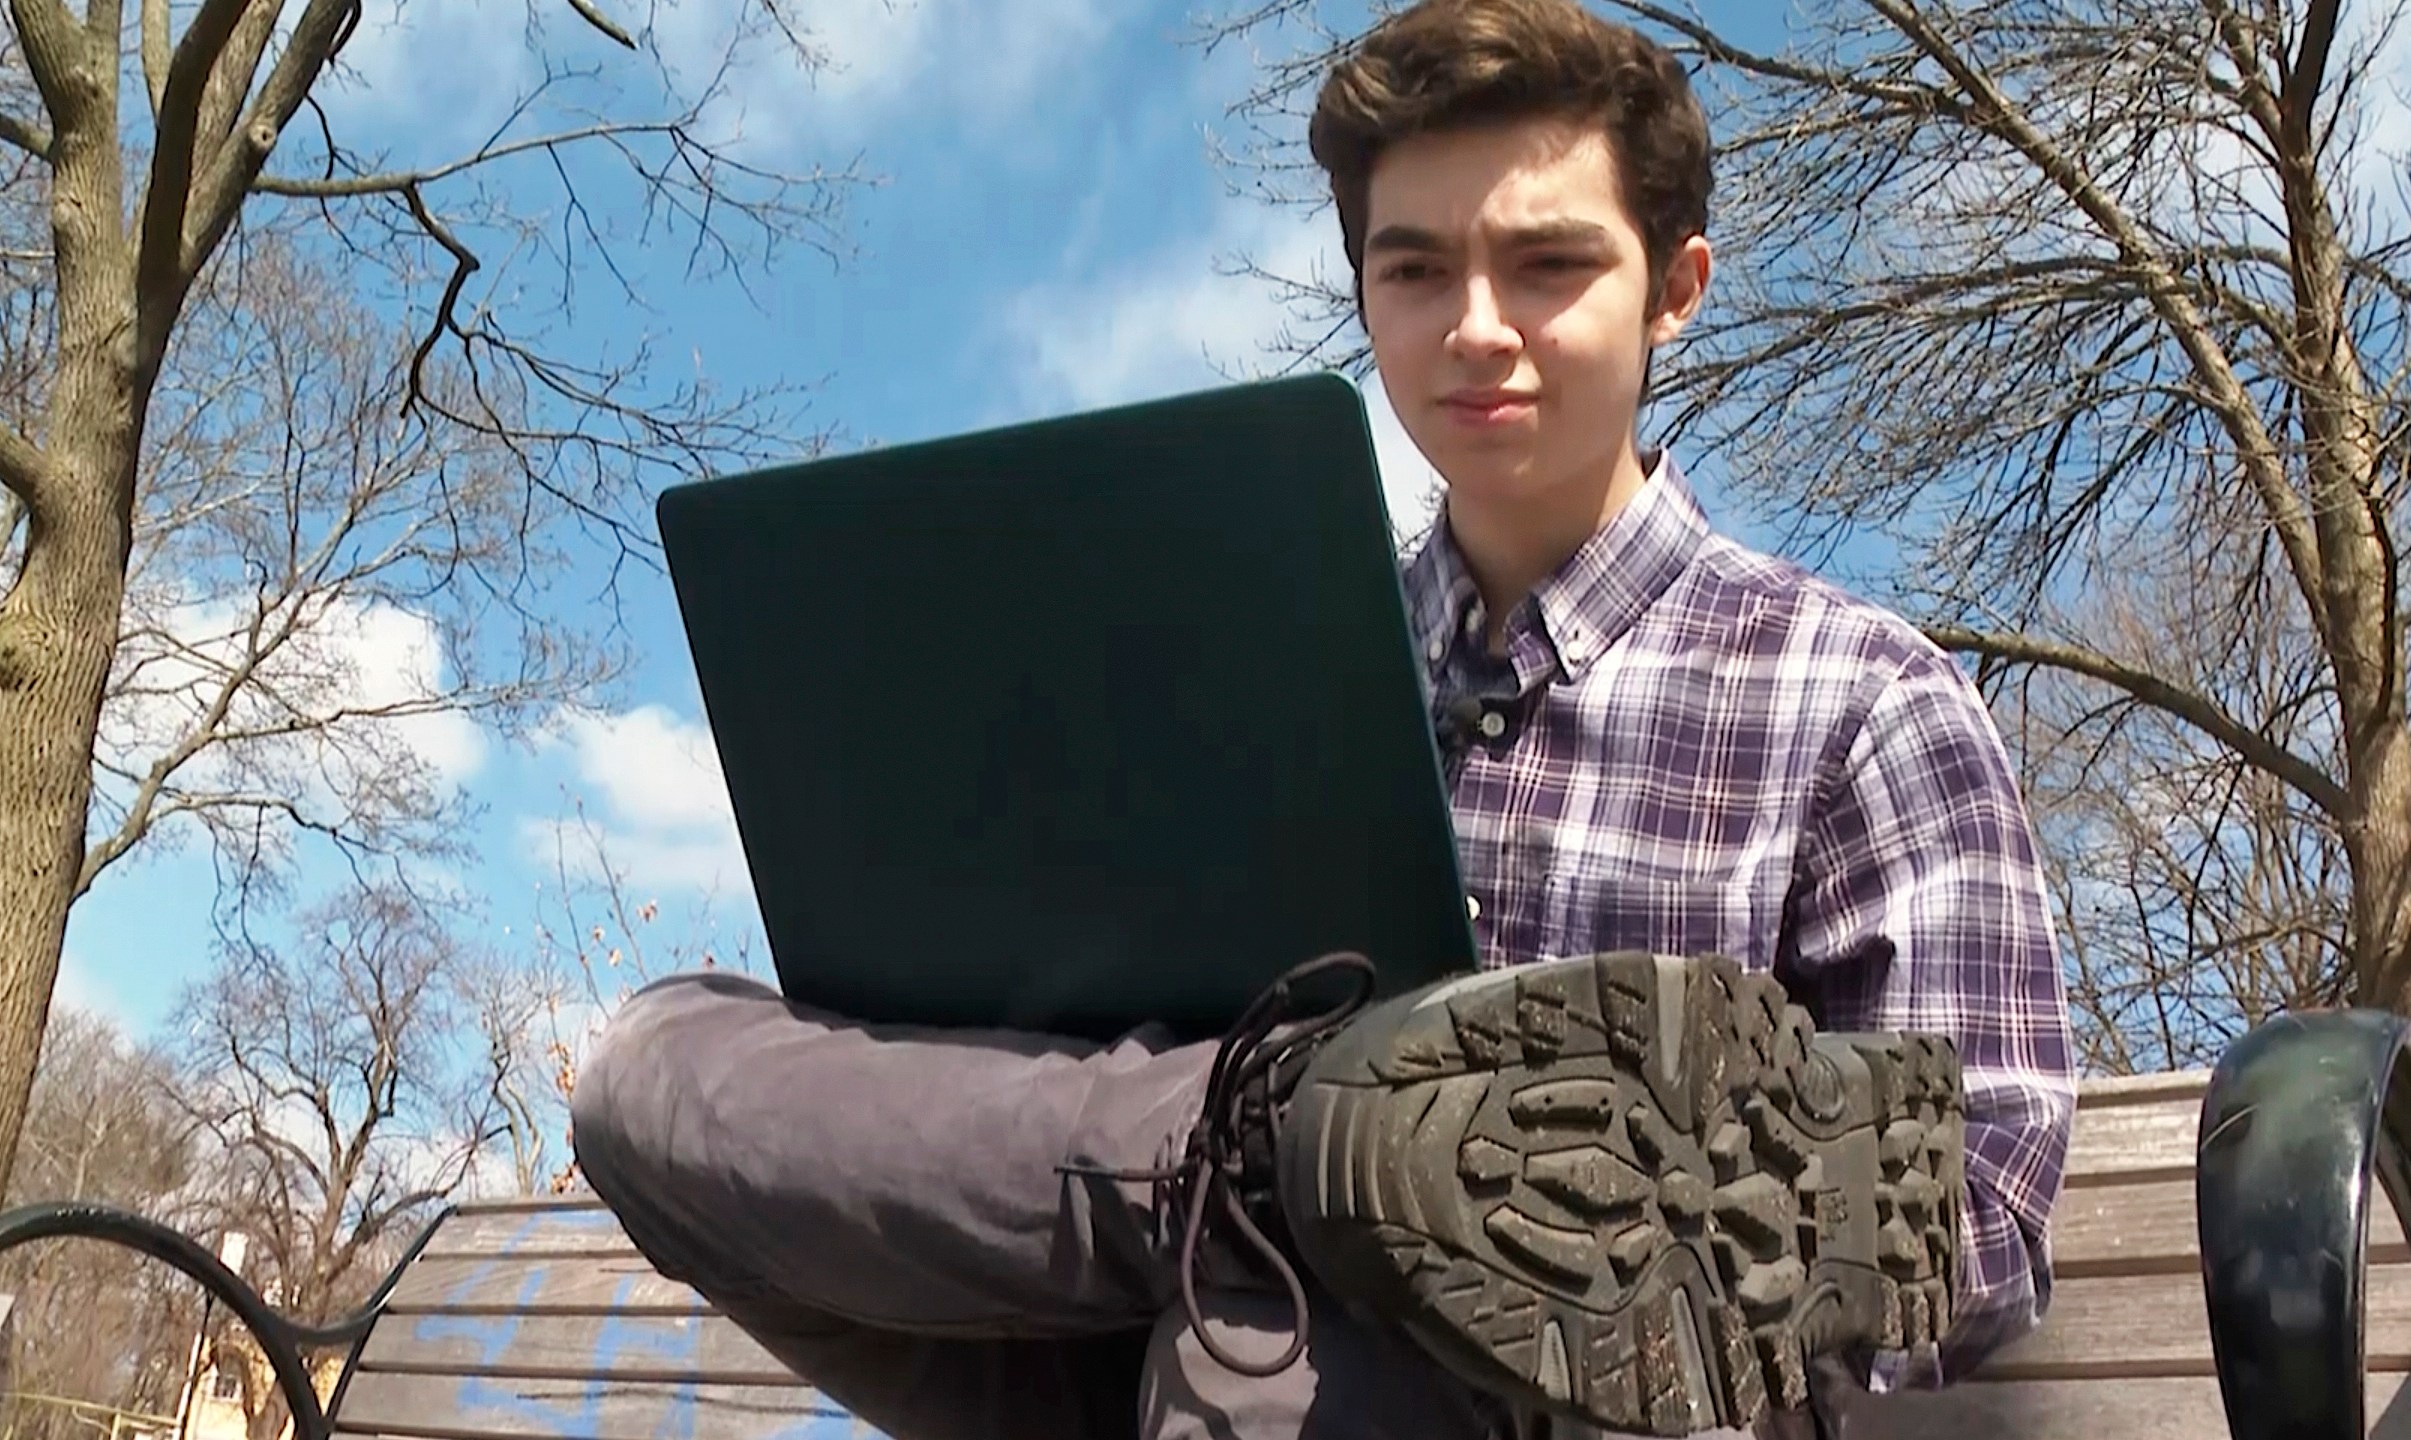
x=1498 y=776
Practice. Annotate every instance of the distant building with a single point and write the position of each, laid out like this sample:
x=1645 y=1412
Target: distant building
x=217 y=1411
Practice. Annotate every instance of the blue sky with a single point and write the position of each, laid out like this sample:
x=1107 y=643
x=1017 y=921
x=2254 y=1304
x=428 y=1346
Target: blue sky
x=1049 y=235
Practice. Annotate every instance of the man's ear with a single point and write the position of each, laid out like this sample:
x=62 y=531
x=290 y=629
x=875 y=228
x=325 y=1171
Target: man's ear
x=1683 y=287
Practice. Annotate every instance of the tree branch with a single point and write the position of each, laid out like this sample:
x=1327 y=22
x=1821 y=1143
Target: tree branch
x=105 y=22
x=401 y=182
x=156 y=47
x=2228 y=399
x=1919 y=99
x=2308 y=73
x=25 y=134
x=258 y=646
x=218 y=196
x=159 y=273
x=2242 y=39
x=24 y=469
x=600 y=21
x=2199 y=711
x=230 y=80
x=54 y=45
x=464 y=264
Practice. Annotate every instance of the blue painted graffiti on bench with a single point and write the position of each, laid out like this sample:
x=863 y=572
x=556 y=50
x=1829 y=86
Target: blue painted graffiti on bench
x=652 y=1350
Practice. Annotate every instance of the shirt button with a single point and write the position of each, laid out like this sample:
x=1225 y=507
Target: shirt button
x=1493 y=724
x=1473 y=908
x=1437 y=647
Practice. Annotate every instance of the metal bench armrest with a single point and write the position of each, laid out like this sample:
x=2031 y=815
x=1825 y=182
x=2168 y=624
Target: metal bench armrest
x=2301 y=1114
x=281 y=1338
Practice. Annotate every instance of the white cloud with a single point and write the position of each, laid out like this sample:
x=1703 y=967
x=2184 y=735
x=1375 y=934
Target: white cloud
x=432 y=74
x=979 y=62
x=655 y=769
x=354 y=697
x=1184 y=317
x=438 y=71
x=1173 y=319
x=80 y=987
x=664 y=821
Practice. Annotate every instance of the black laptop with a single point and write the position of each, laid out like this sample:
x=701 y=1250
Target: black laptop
x=1076 y=724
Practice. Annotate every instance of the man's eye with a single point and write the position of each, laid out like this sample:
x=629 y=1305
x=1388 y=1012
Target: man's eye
x=1561 y=264
x=1408 y=271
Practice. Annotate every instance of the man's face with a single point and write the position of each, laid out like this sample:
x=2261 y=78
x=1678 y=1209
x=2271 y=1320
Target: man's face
x=1506 y=291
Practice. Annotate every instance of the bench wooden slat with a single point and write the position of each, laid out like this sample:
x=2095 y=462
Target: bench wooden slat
x=581 y=1227
x=474 y=1407
x=704 y=1346
x=539 y=1284
x=2146 y=1132
x=2148 y=1228
x=2082 y=1410
x=2159 y=1325
x=2112 y=1144
x=2107 y=1091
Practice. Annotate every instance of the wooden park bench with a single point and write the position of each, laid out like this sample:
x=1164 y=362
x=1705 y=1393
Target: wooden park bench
x=538 y=1319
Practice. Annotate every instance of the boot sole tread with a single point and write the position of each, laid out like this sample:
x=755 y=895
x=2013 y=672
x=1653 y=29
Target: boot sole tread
x=1630 y=1190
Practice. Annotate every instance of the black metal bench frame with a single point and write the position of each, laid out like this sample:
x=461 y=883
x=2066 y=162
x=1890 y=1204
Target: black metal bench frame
x=2302 y=1114
x=282 y=1339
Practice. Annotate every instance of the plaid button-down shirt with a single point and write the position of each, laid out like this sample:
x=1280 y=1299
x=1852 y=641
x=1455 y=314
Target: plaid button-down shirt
x=1712 y=750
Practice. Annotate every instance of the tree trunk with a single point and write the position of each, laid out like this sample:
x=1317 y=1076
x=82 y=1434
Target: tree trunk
x=2379 y=843
x=56 y=633
x=58 y=626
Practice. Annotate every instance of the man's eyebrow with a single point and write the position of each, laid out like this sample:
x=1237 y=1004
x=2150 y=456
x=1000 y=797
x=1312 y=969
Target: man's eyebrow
x=1403 y=237
x=1415 y=239
x=1557 y=232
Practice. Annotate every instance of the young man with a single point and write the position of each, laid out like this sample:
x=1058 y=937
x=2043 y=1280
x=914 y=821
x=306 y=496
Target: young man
x=1588 y=1182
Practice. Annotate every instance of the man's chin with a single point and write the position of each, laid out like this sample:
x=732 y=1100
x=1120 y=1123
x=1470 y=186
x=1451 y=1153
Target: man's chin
x=1491 y=485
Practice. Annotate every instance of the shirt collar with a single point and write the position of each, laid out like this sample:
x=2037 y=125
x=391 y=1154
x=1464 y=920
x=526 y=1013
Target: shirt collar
x=1594 y=597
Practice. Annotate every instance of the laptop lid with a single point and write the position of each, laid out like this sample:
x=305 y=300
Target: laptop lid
x=1076 y=724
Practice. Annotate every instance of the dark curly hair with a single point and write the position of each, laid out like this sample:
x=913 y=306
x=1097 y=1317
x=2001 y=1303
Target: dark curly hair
x=1453 y=64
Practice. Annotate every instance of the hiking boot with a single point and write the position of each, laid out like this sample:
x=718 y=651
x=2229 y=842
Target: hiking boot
x=1634 y=1191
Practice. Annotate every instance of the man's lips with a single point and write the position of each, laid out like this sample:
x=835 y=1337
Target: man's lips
x=1488 y=407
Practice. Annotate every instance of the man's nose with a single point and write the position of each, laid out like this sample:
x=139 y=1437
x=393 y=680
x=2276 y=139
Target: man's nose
x=1482 y=326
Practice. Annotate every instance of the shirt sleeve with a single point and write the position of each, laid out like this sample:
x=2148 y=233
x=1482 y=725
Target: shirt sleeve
x=1920 y=904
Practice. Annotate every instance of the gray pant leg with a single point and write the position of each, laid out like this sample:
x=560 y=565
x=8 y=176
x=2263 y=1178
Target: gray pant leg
x=1355 y=1382
x=917 y=1387
x=899 y=1177
x=880 y=1208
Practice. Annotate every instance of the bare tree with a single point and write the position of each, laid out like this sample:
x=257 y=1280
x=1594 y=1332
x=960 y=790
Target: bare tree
x=129 y=231
x=94 y=1322
x=311 y=618
x=2200 y=895
x=514 y=1009
x=339 y=1103
x=2092 y=311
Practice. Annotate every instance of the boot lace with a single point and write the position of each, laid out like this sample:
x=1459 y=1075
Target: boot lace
x=1216 y=1162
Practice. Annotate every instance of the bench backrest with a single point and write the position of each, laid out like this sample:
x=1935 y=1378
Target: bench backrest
x=539 y=1319
x=2124 y=1353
